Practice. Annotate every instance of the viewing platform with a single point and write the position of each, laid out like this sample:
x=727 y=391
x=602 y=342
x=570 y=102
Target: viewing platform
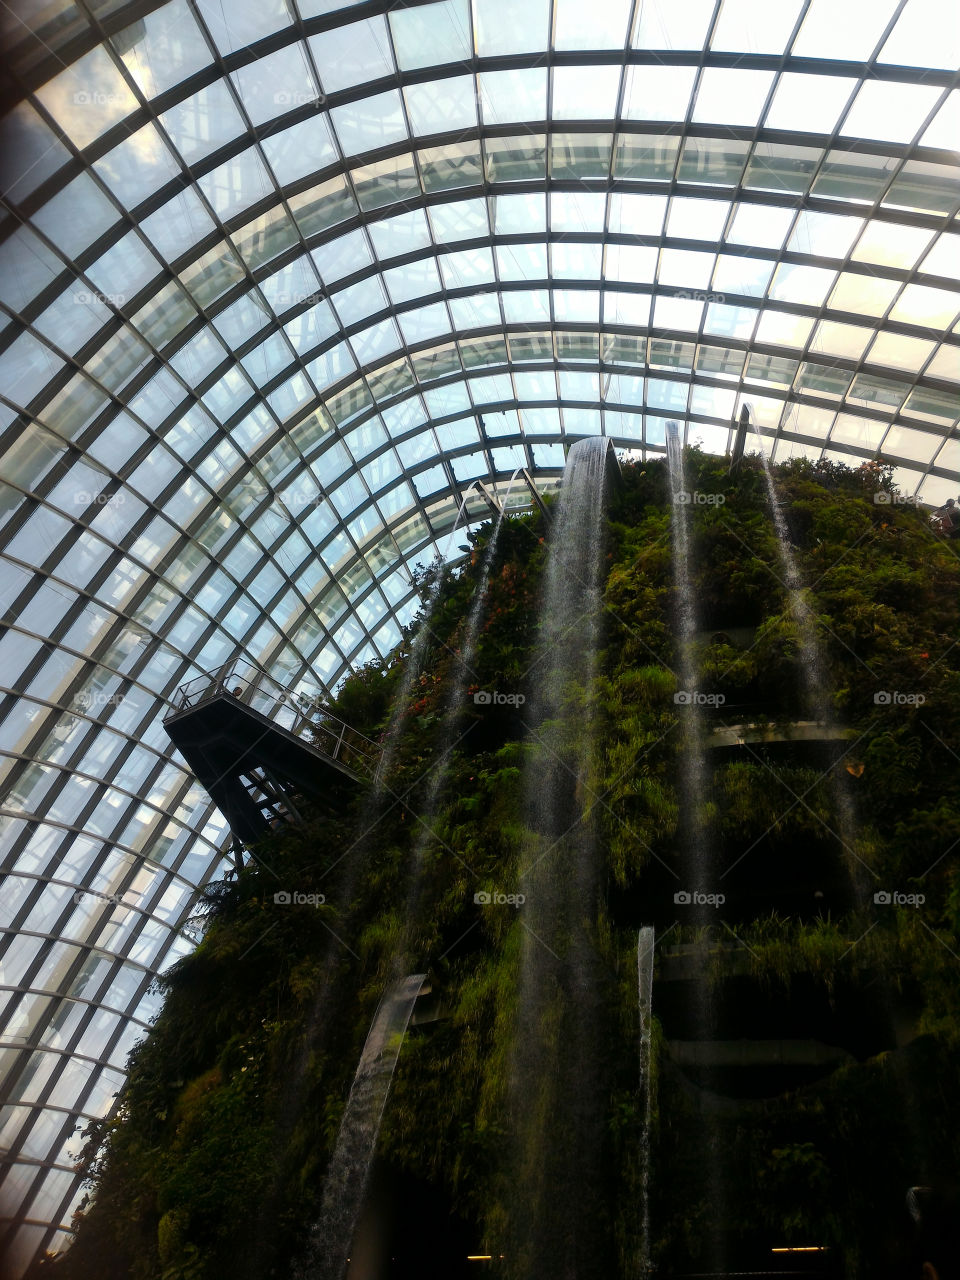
x=768 y=731
x=260 y=751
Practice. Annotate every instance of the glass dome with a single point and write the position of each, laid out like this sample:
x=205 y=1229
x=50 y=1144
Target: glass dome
x=280 y=281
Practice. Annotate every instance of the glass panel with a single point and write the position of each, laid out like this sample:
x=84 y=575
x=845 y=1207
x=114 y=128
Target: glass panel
x=848 y=175
x=371 y=122
x=697 y=219
x=826 y=235
x=849 y=31
x=900 y=352
x=88 y=98
x=944 y=258
x=777 y=167
x=434 y=33
x=602 y=25
x=584 y=93
x=580 y=155
x=712 y=160
x=163 y=48
x=301 y=149
x=436 y=106
x=577 y=211
x=275 y=83
x=673 y=24
x=926 y=35
x=76 y=216
x=237 y=184
x=747 y=27
x=776 y=327
x=200 y=124
x=889 y=111
x=809 y=103
x=353 y=54
x=945 y=130
x=870 y=295
x=741 y=275
x=516 y=159
x=244 y=22
x=388 y=182
x=920 y=304
x=401 y=234
x=933 y=188
x=888 y=244
x=32 y=152
x=762 y=225
x=504 y=27
x=840 y=339
x=731 y=96
x=323 y=206
x=456 y=165
x=645 y=157
x=807 y=285
x=508 y=96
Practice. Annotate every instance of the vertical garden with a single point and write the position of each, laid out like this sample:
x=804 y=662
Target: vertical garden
x=806 y=1064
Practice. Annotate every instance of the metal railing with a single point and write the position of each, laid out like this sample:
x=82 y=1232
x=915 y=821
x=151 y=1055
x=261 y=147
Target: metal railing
x=295 y=713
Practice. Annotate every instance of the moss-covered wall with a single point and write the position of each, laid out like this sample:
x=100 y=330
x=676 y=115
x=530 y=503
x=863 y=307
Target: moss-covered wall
x=213 y=1165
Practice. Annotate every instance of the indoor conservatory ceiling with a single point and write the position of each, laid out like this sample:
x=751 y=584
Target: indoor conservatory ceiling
x=281 y=280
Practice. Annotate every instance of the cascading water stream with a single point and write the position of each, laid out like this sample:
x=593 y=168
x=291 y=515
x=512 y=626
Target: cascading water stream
x=814 y=677
x=349 y=1171
x=698 y=861
x=411 y=672
x=816 y=690
x=699 y=865
x=453 y=710
x=812 y=672
x=324 y=1007
x=556 y=1072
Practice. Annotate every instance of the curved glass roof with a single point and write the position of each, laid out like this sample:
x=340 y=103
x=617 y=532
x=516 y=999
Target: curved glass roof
x=280 y=280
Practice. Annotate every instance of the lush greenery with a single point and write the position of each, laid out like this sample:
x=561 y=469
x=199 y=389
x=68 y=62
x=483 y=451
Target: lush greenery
x=213 y=1164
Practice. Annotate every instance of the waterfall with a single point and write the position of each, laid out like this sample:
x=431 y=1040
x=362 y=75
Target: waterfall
x=812 y=669
x=556 y=1068
x=697 y=864
x=697 y=854
x=815 y=681
x=645 y=944
x=349 y=1169
x=411 y=670
x=453 y=709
